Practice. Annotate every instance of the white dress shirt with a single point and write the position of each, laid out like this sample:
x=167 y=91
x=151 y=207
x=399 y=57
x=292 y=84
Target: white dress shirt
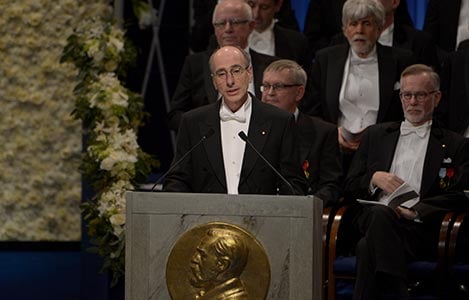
x=232 y=145
x=263 y=42
x=386 y=36
x=359 y=94
x=463 y=27
x=409 y=156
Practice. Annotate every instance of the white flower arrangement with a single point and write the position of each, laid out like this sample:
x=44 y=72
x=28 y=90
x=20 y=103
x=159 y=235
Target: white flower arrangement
x=111 y=115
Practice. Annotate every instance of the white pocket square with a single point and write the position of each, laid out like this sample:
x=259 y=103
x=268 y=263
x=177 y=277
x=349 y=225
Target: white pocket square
x=397 y=85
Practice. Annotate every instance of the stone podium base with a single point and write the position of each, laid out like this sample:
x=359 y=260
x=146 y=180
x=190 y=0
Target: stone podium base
x=288 y=227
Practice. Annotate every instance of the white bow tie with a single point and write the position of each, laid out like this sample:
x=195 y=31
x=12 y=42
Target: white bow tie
x=421 y=131
x=363 y=61
x=239 y=116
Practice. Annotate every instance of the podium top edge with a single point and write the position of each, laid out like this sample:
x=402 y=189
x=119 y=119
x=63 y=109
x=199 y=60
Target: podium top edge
x=184 y=203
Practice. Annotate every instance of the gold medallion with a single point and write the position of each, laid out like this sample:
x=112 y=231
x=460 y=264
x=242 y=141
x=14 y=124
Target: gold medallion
x=217 y=261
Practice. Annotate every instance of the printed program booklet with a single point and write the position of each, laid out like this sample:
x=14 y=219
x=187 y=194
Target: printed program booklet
x=404 y=196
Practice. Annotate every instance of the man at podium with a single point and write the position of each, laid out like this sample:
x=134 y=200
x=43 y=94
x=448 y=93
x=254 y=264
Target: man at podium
x=237 y=145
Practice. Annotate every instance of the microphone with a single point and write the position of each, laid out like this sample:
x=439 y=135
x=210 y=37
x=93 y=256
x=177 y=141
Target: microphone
x=244 y=137
x=209 y=133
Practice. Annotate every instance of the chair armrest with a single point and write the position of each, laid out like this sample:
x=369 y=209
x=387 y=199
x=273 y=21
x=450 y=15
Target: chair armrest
x=334 y=233
x=454 y=234
x=443 y=239
x=334 y=219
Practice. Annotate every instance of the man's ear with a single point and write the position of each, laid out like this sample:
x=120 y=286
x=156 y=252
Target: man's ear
x=300 y=92
x=214 y=83
x=437 y=98
x=251 y=76
x=252 y=24
x=223 y=264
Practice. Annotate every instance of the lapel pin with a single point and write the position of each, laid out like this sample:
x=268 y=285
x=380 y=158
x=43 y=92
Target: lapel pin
x=263 y=132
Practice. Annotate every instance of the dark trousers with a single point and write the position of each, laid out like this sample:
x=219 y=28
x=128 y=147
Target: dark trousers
x=386 y=246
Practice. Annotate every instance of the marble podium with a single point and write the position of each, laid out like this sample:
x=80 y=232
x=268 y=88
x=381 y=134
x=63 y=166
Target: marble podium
x=288 y=227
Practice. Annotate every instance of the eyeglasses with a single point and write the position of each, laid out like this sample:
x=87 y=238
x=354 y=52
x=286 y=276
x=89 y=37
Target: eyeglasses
x=419 y=96
x=232 y=22
x=235 y=71
x=277 y=86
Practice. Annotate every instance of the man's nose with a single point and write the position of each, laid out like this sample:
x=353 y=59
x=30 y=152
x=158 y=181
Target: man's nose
x=195 y=258
x=229 y=26
x=413 y=100
x=229 y=79
x=255 y=12
x=271 y=90
x=359 y=27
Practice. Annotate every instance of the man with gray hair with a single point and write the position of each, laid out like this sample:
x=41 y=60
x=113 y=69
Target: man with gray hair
x=355 y=85
x=283 y=85
x=233 y=23
x=414 y=157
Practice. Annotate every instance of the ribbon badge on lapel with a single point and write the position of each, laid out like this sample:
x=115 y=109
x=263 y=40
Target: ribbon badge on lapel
x=305 y=167
x=446 y=173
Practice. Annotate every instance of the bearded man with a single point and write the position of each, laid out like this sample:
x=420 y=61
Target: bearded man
x=356 y=85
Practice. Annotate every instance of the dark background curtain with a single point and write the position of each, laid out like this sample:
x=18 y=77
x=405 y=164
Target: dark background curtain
x=416 y=8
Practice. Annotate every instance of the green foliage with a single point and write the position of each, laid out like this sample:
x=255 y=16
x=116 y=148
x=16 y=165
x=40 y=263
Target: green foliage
x=111 y=115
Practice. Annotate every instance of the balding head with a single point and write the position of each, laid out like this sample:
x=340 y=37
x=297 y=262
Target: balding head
x=231 y=73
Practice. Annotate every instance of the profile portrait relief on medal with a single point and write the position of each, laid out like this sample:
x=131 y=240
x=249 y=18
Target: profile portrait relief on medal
x=218 y=261
x=217 y=264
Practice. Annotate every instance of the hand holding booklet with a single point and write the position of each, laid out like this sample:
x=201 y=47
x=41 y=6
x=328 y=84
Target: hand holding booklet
x=404 y=196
